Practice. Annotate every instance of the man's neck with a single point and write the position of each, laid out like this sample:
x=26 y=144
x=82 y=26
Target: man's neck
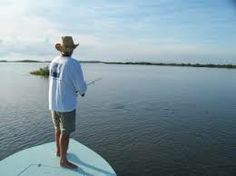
x=65 y=55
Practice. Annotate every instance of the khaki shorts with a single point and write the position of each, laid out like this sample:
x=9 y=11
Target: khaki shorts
x=65 y=121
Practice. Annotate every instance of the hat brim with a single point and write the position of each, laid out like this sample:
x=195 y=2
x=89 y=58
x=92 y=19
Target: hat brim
x=60 y=48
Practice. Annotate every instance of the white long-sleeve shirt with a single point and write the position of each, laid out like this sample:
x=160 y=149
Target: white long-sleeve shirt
x=66 y=80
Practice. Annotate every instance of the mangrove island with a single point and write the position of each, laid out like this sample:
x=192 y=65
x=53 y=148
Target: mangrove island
x=45 y=71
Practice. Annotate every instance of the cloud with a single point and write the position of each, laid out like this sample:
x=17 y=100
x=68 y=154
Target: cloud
x=134 y=29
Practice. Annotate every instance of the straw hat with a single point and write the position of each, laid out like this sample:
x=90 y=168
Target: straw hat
x=66 y=45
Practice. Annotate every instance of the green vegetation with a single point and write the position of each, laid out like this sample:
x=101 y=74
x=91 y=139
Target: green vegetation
x=41 y=72
x=28 y=61
x=45 y=71
x=229 y=66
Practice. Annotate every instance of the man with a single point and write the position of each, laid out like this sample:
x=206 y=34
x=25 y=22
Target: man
x=66 y=81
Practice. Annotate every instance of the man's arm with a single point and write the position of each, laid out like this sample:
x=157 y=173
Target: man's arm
x=78 y=79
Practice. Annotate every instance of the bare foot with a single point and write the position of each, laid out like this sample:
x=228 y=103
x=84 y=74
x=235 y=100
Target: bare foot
x=68 y=165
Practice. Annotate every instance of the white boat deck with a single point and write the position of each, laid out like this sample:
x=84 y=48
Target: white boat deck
x=42 y=161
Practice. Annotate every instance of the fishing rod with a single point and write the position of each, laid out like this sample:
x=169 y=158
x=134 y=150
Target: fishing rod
x=90 y=83
x=93 y=82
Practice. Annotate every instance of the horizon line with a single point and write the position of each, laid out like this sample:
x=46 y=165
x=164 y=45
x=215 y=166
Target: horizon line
x=228 y=66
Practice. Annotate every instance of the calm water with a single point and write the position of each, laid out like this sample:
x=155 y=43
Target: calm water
x=144 y=120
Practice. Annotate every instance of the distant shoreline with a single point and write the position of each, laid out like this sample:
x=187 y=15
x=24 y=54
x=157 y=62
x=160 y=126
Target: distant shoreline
x=228 y=66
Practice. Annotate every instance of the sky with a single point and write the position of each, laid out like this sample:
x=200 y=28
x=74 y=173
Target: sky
x=202 y=31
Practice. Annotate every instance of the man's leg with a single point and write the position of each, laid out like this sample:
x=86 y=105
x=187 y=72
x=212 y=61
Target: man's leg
x=67 y=143
x=67 y=127
x=56 y=122
x=57 y=139
x=64 y=142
